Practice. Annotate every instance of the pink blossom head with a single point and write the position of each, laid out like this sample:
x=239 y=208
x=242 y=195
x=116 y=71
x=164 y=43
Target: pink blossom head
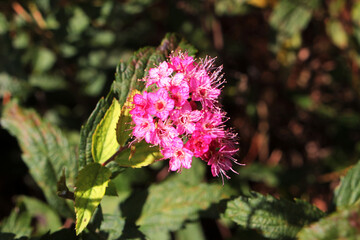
x=179 y=155
x=144 y=128
x=160 y=103
x=181 y=114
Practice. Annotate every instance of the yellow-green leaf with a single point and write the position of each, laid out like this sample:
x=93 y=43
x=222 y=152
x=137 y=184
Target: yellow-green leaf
x=124 y=124
x=336 y=31
x=138 y=155
x=90 y=189
x=104 y=143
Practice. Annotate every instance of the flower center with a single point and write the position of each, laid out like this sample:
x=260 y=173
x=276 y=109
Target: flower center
x=202 y=92
x=179 y=154
x=183 y=119
x=160 y=105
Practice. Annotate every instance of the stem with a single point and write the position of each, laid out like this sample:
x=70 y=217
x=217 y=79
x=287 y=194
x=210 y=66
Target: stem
x=116 y=153
x=67 y=195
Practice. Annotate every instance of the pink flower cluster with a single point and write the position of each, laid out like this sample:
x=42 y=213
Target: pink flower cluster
x=181 y=114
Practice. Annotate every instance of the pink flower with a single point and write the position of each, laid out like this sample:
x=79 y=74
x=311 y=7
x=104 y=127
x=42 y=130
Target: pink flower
x=160 y=104
x=179 y=155
x=144 y=128
x=185 y=119
x=180 y=93
x=212 y=123
x=141 y=104
x=182 y=63
x=164 y=134
x=199 y=143
x=203 y=91
x=221 y=155
x=182 y=114
x=159 y=75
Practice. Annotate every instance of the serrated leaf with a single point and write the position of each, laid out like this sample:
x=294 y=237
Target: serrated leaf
x=45 y=150
x=88 y=129
x=343 y=224
x=104 y=143
x=169 y=204
x=138 y=155
x=124 y=124
x=348 y=192
x=275 y=218
x=90 y=185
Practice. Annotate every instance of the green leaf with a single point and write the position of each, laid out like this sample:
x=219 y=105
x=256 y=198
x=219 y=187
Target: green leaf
x=46 y=218
x=191 y=231
x=127 y=76
x=43 y=60
x=138 y=155
x=78 y=22
x=88 y=129
x=113 y=225
x=292 y=16
x=47 y=82
x=169 y=204
x=91 y=184
x=17 y=223
x=111 y=189
x=337 y=33
x=104 y=143
x=45 y=150
x=343 y=224
x=275 y=218
x=348 y=192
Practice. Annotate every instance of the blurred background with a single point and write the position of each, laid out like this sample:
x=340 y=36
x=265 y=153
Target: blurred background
x=291 y=67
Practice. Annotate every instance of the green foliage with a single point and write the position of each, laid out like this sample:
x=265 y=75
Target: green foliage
x=46 y=217
x=17 y=223
x=46 y=152
x=292 y=95
x=290 y=17
x=343 y=224
x=104 y=143
x=169 y=204
x=276 y=219
x=138 y=155
x=88 y=129
x=90 y=185
x=348 y=192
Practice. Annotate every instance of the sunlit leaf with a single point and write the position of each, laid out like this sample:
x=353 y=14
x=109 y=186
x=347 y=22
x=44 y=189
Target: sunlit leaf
x=138 y=155
x=337 y=33
x=90 y=185
x=104 y=143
